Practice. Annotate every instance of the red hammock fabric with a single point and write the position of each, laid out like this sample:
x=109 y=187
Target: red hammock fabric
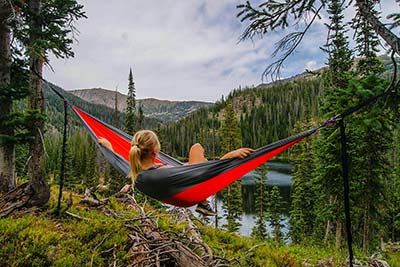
x=182 y=185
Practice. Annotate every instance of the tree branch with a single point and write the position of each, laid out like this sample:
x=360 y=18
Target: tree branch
x=390 y=38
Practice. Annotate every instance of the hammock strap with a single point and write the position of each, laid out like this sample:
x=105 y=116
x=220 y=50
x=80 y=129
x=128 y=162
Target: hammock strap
x=63 y=155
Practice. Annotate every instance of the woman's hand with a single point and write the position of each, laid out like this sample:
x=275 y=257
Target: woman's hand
x=104 y=142
x=238 y=153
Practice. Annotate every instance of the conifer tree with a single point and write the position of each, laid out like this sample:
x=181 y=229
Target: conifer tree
x=367 y=43
x=275 y=217
x=130 y=117
x=372 y=133
x=42 y=27
x=140 y=118
x=259 y=230
x=302 y=194
x=7 y=152
x=232 y=195
x=116 y=112
x=328 y=167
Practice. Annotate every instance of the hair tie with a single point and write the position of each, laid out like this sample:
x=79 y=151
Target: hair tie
x=136 y=144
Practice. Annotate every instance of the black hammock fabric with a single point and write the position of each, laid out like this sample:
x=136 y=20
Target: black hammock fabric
x=181 y=185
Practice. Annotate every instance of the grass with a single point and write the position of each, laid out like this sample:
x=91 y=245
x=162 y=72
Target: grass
x=42 y=239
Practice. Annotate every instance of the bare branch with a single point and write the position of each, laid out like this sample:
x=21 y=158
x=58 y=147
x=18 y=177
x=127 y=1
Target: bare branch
x=287 y=44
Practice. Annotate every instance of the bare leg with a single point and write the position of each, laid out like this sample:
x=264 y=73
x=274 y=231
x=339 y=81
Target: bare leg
x=196 y=155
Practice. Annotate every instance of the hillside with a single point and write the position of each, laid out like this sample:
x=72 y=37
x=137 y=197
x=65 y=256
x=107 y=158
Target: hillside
x=266 y=113
x=163 y=110
x=55 y=110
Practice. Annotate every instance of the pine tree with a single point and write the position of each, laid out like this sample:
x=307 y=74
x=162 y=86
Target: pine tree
x=303 y=194
x=372 y=131
x=328 y=173
x=367 y=43
x=41 y=27
x=116 y=112
x=7 y=152
x=232 y=195
x=275 y=217
x=259 y=231
x=140 y=118
x=130 y=117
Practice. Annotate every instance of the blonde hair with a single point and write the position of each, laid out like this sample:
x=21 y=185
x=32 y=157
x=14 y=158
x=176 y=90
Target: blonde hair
x=144 y=142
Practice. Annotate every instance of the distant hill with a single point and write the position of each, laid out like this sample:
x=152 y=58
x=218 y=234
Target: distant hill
x=55 y=110
x=163 y=110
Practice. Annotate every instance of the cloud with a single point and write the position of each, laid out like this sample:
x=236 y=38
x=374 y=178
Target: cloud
x=178 y=50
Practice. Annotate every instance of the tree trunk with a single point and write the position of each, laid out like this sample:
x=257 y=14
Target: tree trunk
x=37 y=181
x=7 y=153
x=390 y=38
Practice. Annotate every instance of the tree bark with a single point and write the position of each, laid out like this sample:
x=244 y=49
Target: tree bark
x=390 y=38
x=7 y=152
x=35 y=167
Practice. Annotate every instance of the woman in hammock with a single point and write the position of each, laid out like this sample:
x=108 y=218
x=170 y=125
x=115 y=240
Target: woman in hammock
x=145 y=147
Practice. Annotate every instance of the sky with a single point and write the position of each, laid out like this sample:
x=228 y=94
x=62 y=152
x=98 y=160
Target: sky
x=177 y=49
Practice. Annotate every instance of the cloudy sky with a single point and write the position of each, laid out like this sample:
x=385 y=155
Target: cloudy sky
x=177 y=49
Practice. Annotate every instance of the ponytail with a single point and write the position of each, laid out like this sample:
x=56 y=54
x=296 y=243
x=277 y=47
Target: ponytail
x=144 y=142
x=136 y=165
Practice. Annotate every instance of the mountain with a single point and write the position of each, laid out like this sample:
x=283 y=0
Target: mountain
x=55 y=110
x=163 y=110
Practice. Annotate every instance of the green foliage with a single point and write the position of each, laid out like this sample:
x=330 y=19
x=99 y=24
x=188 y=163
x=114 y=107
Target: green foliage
x=278 y=106
x=367 y=44
x=275 y=217
x=259 y=230
x=230 y=136
x=41 y=241
x=302 y=195
x=15 y=123
x=56 y=19
x=130 y=118
x=232 y=195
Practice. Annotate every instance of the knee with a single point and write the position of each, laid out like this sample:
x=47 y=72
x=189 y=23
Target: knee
x=197 y=148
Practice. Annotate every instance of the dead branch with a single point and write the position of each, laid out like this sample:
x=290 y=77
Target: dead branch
x=75 y=216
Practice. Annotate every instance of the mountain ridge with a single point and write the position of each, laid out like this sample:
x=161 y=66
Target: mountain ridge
x=164 y=110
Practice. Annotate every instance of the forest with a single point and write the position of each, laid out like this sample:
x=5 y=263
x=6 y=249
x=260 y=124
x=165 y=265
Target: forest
x=354 y=102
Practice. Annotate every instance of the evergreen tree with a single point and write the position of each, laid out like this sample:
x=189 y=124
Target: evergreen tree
x=261 y=196
x=116 y=112
x=328 y=172
x=130 y=114
x=7 y=152
x=232 y=195
x=41 y=27
x=229 y=132
x=140 y=118
x=271 y=16
x=367 y=43
x=303 y=194
x=275 y=217
x=372 y=133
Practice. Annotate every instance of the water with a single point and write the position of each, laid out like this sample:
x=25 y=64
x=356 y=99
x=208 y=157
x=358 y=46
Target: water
x=278 y=175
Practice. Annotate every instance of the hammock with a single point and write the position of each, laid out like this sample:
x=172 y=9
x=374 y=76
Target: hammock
x=181 y=185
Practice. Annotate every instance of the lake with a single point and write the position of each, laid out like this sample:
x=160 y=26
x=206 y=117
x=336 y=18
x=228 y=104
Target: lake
x=278 y=175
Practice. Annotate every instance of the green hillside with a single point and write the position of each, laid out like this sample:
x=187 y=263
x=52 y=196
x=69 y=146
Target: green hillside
x=266 y=113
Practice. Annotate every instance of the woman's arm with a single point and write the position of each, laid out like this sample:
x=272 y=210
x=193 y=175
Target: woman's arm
x=104 y=142
x=238 y=153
